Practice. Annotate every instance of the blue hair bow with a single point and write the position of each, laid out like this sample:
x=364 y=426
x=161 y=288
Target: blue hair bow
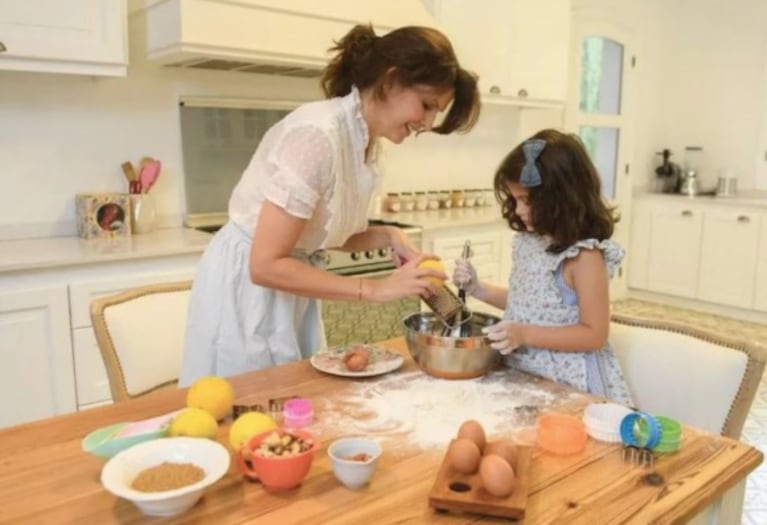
x=530 y=175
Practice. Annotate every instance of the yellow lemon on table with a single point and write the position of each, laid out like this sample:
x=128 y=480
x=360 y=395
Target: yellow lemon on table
x=193 y=422
x=212 y=393
x=248 y=425
x=433 y=264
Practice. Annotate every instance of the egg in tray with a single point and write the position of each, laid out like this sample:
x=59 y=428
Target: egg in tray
x=482 y=477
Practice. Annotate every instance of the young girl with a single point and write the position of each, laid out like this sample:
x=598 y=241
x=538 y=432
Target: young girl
x=254 y=301
x=556 y=316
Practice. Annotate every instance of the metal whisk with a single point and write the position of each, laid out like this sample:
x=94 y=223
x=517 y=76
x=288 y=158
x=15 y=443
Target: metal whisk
x=460 y=324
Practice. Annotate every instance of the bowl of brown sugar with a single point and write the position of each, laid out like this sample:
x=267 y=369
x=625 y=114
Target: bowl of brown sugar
x=167 y=476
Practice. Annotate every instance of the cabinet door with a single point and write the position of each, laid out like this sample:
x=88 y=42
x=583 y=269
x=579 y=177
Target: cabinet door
x=76 y=36
x=728 y=257
x=638 y=253
x=90 y=372
x=36 y=378
x=760 y=290
x=674 y=249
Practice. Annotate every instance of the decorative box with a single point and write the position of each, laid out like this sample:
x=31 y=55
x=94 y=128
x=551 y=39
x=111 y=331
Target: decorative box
x=103 y=215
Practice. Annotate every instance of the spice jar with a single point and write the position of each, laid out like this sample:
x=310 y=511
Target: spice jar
x=408 y=201
x=392 y=203
x=421 y=202
x=480 y=197
x=432 y=198
x=456 y=197
x=469 y=198
x=445 y=202
x=489 y=196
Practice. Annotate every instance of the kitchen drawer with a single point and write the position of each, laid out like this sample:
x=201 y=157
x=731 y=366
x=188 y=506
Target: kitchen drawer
x=81 y=293
x=90 y=374
x=485 y=247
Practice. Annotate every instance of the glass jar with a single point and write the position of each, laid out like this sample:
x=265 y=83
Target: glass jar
x=479 y=198
x=456 y=197
x=469 y=198
x=421 y=202
x=432 y=198
x=408 y=201
x=392 y=203
x=489 y=196
x=445 y=202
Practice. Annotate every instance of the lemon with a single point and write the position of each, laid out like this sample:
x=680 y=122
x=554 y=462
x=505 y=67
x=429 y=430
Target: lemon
x=248 y=425
x=212 y=393
x=433 y=264
x=193 y=422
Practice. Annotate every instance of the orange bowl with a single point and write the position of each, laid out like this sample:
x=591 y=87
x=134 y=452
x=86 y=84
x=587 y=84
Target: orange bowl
x=276 y=473
x=561 y=434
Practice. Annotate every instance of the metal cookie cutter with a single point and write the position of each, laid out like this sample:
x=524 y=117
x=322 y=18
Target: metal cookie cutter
x=637 y=446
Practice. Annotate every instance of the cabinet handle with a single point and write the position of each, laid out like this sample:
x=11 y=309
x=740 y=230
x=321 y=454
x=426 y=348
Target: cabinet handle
x=686 y=213
x=522 y=92
x=2 y=47
x=744 y=218
x=495 y=90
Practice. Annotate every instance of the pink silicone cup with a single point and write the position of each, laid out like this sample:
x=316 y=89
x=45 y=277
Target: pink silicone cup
x=298 y=412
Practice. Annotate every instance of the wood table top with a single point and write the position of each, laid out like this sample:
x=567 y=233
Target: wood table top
x=45 y=477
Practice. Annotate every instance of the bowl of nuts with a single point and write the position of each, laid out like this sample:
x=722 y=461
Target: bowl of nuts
x=280 y=459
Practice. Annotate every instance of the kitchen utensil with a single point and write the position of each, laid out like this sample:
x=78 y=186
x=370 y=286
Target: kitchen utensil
x=298 y=412
x=459 y=326
x=149 y=173
x=449 y=357
x=561 y=434
x=129 y=172
x=354 y=473
x=459 y=492
x=445 y=304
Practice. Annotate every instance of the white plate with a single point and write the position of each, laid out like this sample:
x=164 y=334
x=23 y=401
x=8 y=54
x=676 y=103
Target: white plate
x=382 y=361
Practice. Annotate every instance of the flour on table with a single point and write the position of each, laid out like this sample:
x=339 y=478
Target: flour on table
x=429 y=411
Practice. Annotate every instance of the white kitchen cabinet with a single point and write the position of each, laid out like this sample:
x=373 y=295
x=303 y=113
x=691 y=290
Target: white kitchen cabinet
x=674 y=249
x=760 y=290
x=36 y=377
x=77 y=36
x=638 y=253
x=728 y=256
x=519 y=48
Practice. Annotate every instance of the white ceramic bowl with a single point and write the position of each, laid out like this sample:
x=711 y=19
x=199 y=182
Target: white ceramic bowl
x=351 y=473
x=120 y=471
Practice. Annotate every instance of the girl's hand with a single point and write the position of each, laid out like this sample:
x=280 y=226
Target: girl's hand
x=465 y=276
x=504 y=336
x=407 y=281
x=403 y=248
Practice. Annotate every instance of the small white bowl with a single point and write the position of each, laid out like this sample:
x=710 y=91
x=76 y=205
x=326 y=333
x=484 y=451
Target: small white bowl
x=351 y=473
x=120 y=471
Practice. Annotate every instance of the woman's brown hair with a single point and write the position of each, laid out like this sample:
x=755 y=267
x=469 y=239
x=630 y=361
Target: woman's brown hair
x=416 y=55
x=567 y=205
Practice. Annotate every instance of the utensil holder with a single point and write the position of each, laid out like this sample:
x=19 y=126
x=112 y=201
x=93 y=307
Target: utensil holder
x=142 y=213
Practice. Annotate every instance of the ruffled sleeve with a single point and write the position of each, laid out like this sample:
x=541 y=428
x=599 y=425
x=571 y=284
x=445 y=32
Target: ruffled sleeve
x=303 y=162
x=611 y=250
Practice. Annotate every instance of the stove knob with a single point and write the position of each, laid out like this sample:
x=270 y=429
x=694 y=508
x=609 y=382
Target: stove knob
x=383 y=252
x=355 y=256
x=370 y=254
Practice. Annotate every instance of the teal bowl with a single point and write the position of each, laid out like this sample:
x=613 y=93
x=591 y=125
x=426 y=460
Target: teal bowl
x=102 y=444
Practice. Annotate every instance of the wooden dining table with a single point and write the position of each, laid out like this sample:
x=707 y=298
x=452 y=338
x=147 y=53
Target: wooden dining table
x=45 y=477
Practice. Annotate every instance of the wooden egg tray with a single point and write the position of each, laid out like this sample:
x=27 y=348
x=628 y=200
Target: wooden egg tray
x=459 y=492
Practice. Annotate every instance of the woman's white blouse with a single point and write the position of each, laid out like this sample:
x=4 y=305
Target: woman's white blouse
x=312 y=165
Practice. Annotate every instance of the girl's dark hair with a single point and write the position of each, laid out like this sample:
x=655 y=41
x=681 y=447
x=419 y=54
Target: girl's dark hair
x=567 y=206
x=417 y=55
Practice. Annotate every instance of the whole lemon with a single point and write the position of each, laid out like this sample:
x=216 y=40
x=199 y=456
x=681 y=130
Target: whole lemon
x=248 y=425
x=433 y=264
x=193 y=422
x=212 y=393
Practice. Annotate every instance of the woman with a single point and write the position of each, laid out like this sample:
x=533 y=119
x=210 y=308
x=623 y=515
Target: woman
x=307 y=188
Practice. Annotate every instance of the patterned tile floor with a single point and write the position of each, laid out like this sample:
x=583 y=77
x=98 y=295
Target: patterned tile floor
x=755 y=429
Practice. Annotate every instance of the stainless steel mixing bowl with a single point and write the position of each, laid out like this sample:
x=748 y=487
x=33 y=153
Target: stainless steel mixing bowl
x=449 y=357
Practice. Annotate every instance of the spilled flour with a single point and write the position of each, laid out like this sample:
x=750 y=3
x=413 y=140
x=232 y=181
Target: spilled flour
x=428 y=411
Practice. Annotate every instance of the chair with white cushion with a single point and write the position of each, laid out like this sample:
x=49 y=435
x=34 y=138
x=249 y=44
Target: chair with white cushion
x=702 y=378
x=140 y=333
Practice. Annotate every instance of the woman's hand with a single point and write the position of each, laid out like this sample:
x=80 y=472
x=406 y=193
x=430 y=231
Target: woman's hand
x=403 y=248
x=407 y=281
x=505 y=336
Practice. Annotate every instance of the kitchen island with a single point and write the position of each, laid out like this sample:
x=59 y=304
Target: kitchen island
x=46 y=478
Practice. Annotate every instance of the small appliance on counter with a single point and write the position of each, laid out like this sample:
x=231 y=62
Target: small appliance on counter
x=727 y=184
x=667 y=175
x=691 y=184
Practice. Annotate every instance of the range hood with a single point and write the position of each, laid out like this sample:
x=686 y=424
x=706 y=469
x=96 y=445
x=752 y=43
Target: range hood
x=284 y=37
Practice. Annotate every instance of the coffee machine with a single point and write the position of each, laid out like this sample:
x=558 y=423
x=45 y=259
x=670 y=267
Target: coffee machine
x=667 y=175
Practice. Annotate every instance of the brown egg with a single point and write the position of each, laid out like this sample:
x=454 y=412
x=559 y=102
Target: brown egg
x=473 y=430
x=497 y=476
x=356 y=362
x=503 y=448
x=464 y=456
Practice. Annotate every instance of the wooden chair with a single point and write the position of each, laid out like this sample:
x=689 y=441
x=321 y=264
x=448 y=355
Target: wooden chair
x=703 y=378
x=140 y=333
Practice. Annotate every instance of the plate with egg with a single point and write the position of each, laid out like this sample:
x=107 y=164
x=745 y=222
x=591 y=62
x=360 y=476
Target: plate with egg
x=357 y=360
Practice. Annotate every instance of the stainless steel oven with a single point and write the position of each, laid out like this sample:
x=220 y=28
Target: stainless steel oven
x=363 y=322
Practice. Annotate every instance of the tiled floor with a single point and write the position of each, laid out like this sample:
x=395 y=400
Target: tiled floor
x=755 y=429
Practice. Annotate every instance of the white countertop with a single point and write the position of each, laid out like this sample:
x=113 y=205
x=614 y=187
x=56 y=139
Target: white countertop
x=30 y=254
x=751 y=198
x=431 y=220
